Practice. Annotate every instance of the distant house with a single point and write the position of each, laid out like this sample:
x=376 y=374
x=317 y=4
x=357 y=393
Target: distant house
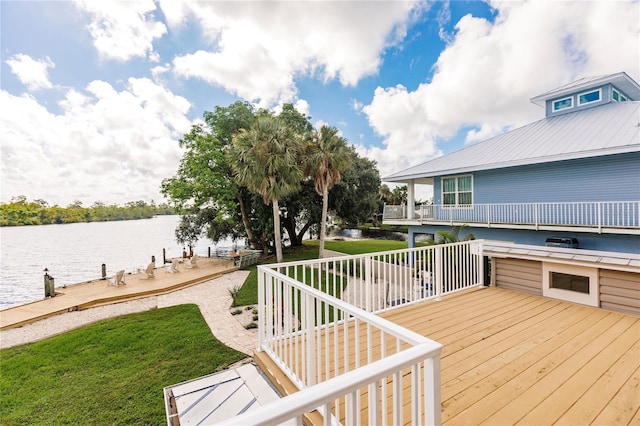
x=570 y=179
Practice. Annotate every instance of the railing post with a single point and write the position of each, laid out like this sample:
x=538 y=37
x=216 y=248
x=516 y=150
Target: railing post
x=599 y=218
x=262 y=343
x=432 y=396
x=310 y=339
x=438 y=272
x=488 y=213
x=368 y=282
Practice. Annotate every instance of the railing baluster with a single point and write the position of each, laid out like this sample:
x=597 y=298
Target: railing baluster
x=415 y=395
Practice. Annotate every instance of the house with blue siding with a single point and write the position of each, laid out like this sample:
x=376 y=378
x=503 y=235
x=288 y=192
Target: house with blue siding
x=571 y=179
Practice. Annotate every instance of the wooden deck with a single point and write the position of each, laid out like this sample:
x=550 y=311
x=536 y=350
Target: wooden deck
x=95 y=293
x=513 y=358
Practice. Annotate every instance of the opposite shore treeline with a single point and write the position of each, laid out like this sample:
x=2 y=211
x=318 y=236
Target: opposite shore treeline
x=20 y=212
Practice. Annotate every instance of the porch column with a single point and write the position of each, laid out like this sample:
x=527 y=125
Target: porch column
x=411 y=200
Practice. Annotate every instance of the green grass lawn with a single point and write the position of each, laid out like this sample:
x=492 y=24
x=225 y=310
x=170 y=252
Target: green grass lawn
x=111 y=372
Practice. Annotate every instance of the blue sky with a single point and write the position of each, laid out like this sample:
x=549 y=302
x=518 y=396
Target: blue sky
x=96 y=95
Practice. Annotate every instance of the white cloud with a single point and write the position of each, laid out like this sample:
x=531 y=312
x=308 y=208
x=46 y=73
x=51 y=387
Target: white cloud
x=125 y=29
x=106 y=144
x=31 y=72
x=485 y=132
x=488 y=72
x=259 y=48
x=302 y=106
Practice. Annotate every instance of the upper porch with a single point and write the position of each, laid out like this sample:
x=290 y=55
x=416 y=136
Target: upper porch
x=619 y=217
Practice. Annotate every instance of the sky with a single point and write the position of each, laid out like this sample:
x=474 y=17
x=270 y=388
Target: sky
x=95 y=95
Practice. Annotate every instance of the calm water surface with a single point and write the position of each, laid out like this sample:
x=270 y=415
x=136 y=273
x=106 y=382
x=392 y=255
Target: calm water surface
x=75 y=253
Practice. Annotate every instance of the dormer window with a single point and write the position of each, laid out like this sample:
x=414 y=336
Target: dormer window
x=589 y=97
x=618 y=97
x=563 y=103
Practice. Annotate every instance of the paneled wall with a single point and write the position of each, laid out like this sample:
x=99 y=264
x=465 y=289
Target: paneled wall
x=518 y=274
x=620 y=291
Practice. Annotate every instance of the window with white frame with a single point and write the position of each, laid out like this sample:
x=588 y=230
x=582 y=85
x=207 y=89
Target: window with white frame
x=589 y=97
x=572 y=283
x=617 y=96
x=563 y=103
x=457 y=191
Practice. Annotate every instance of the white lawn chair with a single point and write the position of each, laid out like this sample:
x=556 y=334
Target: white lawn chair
x=147 y=273
x=173 y=267
x=191 y=263
x=117 y=279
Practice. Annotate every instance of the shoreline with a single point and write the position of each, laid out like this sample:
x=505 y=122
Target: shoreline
x=211 y=296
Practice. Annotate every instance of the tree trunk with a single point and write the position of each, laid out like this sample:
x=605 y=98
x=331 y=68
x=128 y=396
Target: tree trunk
x=290 y=225
x=323 y=221
x=245 y=221
x=276 y=231
x=303 y=231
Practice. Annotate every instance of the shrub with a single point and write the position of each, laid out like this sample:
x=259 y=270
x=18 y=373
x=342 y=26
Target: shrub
x=233 y=292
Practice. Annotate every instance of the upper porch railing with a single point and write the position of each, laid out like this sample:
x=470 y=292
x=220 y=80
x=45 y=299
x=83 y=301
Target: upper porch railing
x=595 y=215
x=317 y=322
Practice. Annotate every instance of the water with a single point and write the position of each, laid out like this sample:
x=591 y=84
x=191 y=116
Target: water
x=75 y=252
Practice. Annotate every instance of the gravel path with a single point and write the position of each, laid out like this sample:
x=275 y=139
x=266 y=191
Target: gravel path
x=211 y=296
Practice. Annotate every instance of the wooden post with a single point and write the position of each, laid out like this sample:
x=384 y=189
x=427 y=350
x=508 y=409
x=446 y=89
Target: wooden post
x=153 y=259
x=104 y=271
x=164 y=256
x=209 y=251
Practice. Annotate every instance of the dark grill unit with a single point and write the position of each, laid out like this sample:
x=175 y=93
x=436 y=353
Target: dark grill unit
x=564 y=242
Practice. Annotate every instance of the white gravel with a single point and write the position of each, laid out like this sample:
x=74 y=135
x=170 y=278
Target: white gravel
x=211 y=296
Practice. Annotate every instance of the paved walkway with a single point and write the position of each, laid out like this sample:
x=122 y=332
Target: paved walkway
x=212 y=296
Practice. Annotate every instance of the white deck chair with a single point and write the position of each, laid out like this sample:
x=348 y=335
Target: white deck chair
x=117 y=279
x=173 y=267
x=191 y=263
x=147 y=273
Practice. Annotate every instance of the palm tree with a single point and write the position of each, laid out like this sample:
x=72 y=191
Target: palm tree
x=327 y=156
x=265 y=160
x=453 y=236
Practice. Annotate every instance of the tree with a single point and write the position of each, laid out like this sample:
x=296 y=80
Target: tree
x=327 y=156
x=355 y=198
x=302 y=212
x=453 y=236
x=204 y=190
x=265 y=160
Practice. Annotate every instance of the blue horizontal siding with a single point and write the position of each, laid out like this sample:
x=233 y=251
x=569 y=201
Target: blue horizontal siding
x=608 y=178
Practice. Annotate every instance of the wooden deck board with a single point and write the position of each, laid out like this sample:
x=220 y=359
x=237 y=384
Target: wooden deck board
x=99 y=292
x=511 y=357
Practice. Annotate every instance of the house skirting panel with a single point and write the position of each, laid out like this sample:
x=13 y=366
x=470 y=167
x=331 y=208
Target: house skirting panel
x=518 y=274
x=620 y=291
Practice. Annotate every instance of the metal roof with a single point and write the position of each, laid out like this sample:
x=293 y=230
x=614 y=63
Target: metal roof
x=603 y=259
x=621 y=80
x=612 y=128
x=218 y=397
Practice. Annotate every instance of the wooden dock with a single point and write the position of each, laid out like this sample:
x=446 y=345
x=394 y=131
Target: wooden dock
x=99 y=292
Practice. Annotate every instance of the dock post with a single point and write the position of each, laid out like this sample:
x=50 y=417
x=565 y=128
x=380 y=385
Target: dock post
x=164 y=256
x=209 y=251
x=104 y=272
x=49 y=284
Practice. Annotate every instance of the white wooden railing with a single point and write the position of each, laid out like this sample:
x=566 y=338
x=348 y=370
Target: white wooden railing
x=318 y=323
x=597 y=215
